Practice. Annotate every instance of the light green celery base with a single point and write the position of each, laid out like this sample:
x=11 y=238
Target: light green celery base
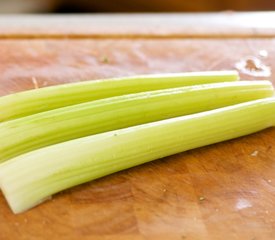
x=29 y=133
x=43 y=99
x=30 y=178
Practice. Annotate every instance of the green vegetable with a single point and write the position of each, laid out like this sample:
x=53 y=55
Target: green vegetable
x=31 y=178
x=43 y=129
x=43 y=99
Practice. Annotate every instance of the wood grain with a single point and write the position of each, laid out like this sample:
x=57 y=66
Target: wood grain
x=217 y=192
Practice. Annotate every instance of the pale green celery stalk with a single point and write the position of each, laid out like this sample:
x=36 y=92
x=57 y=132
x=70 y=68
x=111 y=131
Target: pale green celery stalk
x=43 y=129
x=31 y=178
x=43 y=99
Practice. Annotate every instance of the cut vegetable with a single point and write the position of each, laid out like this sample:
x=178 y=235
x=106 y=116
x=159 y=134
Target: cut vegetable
x=39 y=130
x=39 y=100
x=30 y=178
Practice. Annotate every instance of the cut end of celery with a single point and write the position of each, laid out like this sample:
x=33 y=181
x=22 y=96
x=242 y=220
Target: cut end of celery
x=17 y=207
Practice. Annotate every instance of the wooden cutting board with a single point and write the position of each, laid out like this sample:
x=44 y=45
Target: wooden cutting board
x=223 y=191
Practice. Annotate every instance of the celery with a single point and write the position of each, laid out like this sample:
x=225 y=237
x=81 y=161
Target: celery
x=43 y=129
x=43 y=99
x=30 y=178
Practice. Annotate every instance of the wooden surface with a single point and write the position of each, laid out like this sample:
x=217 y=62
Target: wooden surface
x=208 y=25
x=223 y=191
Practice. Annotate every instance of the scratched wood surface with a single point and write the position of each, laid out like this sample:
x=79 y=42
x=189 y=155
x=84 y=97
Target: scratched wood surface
x=223 y=191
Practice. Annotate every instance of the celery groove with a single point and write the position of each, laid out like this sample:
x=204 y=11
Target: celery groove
x=43 y=99
x=32 y=177
x=43 y=129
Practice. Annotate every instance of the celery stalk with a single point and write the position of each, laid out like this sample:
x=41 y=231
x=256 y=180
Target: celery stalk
x=30 y=178
x=43 y=99
x=43 y=129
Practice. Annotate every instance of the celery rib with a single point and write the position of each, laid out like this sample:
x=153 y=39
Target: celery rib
x=44 y=99
x=47 y=128
x=32 y=177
